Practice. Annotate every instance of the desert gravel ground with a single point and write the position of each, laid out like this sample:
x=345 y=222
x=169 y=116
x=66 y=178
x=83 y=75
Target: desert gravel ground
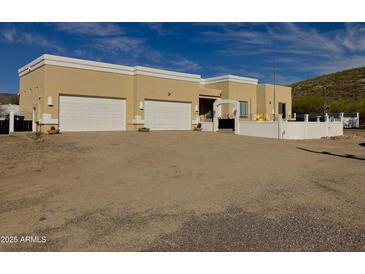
x=182 y=191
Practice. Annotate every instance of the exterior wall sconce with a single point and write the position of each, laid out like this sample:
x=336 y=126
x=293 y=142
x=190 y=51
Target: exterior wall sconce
x=141 y=107
x=49 y=101
x=196 y=108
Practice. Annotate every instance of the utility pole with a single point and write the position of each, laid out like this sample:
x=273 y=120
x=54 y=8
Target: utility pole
x=325 y=102
x=274 y=72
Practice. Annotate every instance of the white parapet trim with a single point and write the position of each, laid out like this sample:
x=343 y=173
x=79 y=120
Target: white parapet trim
x=61 y=61
x=54 y=60
x=231 y=78
x=47 y=59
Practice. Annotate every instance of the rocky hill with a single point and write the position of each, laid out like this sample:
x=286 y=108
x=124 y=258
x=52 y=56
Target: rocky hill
x=8 y=98
x=347 y=84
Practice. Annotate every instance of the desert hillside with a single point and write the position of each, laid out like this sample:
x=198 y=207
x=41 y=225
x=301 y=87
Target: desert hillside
x=8 y=98
x=347 y=84
x=345 y=93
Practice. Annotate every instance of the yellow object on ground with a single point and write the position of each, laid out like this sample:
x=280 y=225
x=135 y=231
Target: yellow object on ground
x=260 y=117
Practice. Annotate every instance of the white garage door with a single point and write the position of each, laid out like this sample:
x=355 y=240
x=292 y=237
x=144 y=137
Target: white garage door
x=91 y=114
x=161 y=115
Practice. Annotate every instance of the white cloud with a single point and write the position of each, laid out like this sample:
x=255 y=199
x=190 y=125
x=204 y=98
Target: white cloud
x=353 y=38
x=159 y=28
x=335 y=64
x=90 y=29
x=17 y=35
x=115 y=45
x=183 y=64
x=295 y=47
x=110 y=38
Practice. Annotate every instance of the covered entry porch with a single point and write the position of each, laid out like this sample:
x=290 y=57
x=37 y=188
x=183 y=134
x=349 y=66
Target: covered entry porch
x=210 y=115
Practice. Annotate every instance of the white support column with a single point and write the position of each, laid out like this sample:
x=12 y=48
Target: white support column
x=295 y=116
x=280 y=126
x=318 y=119
x=341 y=117
x=34 y=125
x=219 y=102
x=215 y=118
x=326 y=120
x=11 y=121
x=237 y=120
x=306 y=121
x=357 y=120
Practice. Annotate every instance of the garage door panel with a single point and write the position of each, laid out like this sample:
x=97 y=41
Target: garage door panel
x=161 y=115
x=91 y=114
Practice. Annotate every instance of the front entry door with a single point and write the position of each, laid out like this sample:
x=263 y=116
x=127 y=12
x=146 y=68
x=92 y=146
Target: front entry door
x=282 y=109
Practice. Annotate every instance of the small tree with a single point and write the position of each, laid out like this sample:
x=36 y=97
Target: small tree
x=2 y=111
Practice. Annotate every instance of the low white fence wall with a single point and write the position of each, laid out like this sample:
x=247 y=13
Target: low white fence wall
x=310 y=130
x=335 y=129
x=291 y=129
x=259 y=129
x=207 y=126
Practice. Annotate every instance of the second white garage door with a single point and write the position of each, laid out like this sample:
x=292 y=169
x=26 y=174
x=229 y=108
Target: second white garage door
x=91 y=114
x=160 y=115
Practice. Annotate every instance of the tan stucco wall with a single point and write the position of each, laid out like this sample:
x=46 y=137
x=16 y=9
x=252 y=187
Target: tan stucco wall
x=243 y=92
x=209 y=92
x=261 y=99
x=155 y=88
x=55 y=80
x=236 y=91
x=224 y=87
x=31 y=89
x=265 y=99
x=72 y=81
x=48 y=80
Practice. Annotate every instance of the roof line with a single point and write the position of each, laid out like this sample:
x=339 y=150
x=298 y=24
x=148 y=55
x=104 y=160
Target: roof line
x=48 y=59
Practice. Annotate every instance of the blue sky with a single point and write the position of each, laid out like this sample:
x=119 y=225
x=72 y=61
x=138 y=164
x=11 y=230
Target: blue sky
x=299 y=50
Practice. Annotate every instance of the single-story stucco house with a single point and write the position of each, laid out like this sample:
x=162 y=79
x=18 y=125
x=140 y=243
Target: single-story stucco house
x=80 y=95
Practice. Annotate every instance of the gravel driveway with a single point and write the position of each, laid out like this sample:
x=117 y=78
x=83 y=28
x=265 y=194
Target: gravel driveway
x=181 y=191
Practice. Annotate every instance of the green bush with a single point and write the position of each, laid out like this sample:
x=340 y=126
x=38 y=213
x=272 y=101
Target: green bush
x=10 y=100
x=313 y=104
x=307 y=104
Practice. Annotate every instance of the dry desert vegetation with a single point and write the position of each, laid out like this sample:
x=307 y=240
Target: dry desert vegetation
x=182 y=191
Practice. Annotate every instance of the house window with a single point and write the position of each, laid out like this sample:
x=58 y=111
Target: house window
x=243 y=109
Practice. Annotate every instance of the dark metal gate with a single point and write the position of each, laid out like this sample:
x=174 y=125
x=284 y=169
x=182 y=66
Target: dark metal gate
x=226 y=123
x=4 y=126
x=22 y=125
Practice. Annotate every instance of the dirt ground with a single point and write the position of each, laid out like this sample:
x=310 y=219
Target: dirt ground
x=181 y=191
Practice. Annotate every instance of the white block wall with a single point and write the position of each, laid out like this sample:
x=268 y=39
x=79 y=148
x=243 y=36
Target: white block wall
x=335 y=129
x=291 y=130
x=259 y=129
x=207 y=126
